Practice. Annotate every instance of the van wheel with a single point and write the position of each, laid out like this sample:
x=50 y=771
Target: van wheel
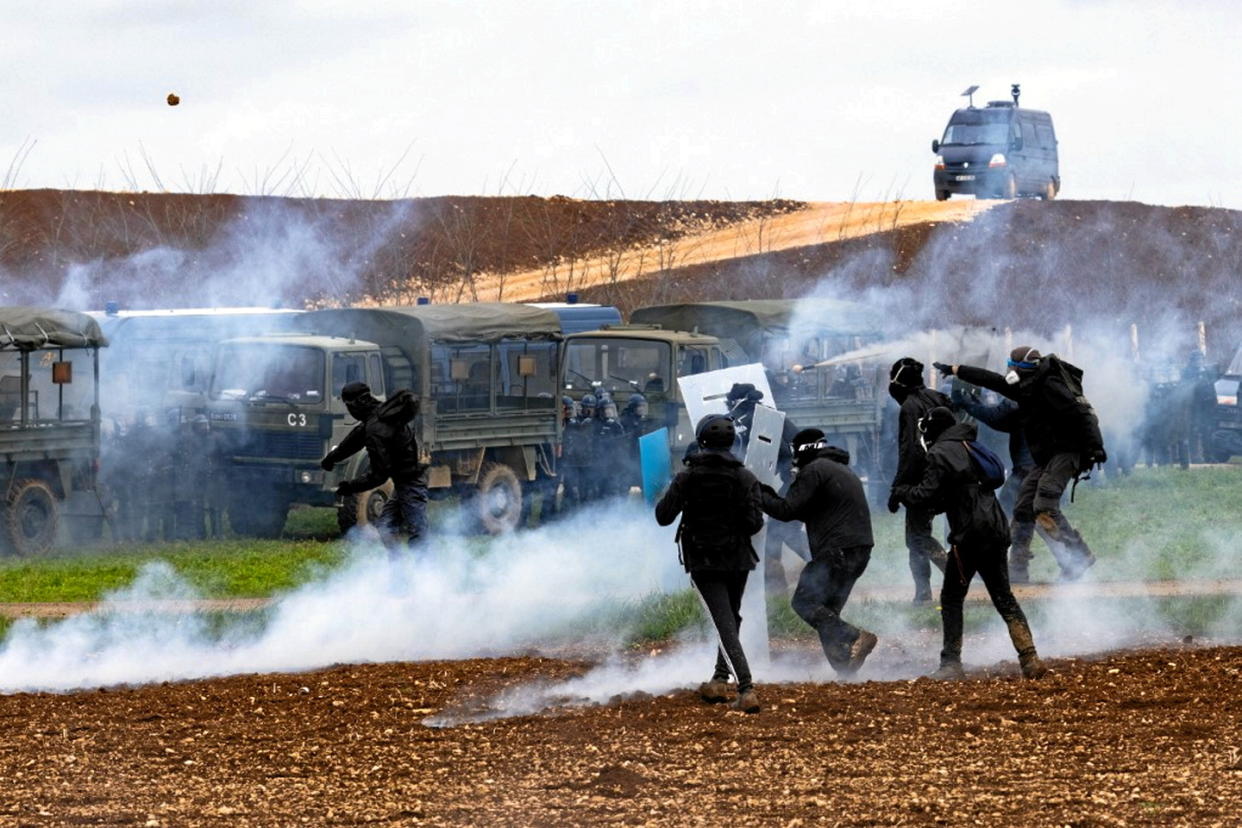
x=1050 y=190
x=29 y=517
x=1010 y=189
x=364 y=508
x=942 y=195
x=497 y=500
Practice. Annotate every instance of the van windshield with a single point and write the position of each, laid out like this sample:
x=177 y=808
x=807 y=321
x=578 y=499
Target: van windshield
x=975 y=134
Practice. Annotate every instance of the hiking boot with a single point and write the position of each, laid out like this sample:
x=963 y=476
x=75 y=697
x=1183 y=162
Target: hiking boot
x=939 y=558
x=714 y=691
x=948 y=671
x=747 y=702
x=859 y=650
x=1032 y=666
x=922 y=599
x=1074 y=568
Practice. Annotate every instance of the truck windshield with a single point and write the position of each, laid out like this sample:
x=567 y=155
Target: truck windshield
x=976 y=134
x=291 y=373
x=618 y=365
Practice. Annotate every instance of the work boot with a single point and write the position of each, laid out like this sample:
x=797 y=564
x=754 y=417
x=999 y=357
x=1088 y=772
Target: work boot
x=714 y=691
x=1078 y=560
x=939 y=557
x=948 y=671
x=859 y=650
x=747 y=702
x=1032 y=665
x=922 y=596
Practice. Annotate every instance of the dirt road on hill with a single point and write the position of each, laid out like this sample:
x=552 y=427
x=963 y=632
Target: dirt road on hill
x=1137 y=738
x=817 y=223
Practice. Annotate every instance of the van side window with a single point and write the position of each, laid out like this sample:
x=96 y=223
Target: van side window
x=376 y=374
x=347 y=368
x=1046 y=139
x=1029 y=140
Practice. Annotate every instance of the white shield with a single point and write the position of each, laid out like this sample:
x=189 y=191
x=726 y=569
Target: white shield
x=705 y=394
x=761 y=455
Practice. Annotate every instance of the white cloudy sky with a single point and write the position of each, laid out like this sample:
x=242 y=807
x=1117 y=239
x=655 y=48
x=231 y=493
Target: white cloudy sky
x=808 y=100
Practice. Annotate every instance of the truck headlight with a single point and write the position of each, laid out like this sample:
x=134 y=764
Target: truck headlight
x=940 y=162
x=306 y=477
x=998 y=160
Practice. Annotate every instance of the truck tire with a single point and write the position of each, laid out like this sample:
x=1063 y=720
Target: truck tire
x=942 y=195
x=361 y=509
x=257 y=516
x=29 y=518
x=497 y=499
x=1050 y=190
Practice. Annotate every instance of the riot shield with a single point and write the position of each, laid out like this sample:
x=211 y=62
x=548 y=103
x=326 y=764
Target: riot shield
x=761 y=456
x=653 y=454
x=705 y=393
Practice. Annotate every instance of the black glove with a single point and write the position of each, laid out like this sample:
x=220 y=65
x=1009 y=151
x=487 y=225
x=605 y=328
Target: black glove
x=326 y=464
x=894 y=502
x=943 y=368
x=1099 y=456
x=345 y=488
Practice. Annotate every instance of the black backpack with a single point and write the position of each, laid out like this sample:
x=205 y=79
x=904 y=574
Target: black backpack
x=709 y=533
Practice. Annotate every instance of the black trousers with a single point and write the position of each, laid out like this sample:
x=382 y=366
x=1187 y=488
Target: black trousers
x=823 y=589
x=922 y=546
x=1039 y=504
x=404 y=513
x=991 y=566
x=722 y=593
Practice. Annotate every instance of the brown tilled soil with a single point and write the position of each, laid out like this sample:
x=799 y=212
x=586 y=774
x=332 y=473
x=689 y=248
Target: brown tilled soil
x=1136 y=738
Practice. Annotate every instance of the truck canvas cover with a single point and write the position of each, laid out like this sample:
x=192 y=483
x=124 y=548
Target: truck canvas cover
x=412 y=329
x=749 y=323
x=28 y=328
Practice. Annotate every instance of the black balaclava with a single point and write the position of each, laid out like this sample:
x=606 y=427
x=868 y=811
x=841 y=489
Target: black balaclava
x=358 y=400
x=905 y=376
x=934 y=423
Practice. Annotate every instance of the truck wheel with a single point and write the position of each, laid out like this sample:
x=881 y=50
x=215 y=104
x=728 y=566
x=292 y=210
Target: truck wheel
x=28 y=518
x=1050 y=190
x=942 y=195
x=258 y=517
x=1010 y=189
x=361 y=509
x=497 y=502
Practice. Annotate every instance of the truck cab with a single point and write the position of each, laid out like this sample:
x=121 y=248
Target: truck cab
x=646 y=359
x=275 y=399
x=997 y=151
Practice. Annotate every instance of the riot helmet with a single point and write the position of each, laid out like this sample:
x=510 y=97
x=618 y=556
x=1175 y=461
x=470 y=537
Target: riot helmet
x=637 y=405
x=715 y=431
x=587 y=405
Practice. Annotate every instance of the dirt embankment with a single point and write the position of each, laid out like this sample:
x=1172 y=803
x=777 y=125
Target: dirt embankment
x=1141 y=738
x=166 y=250
x=1022 y=264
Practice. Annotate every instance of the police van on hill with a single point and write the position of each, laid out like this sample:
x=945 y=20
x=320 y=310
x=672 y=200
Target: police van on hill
x=997 y=151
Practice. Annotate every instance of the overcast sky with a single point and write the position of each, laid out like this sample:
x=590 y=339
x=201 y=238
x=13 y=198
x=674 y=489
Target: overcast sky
x=808 y=100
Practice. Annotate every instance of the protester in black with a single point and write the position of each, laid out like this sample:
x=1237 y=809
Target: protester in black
x=829 y=498
x=916 y=399
x=386 y=431
x=719 y=504
x=979 y=535
x=1063 y=434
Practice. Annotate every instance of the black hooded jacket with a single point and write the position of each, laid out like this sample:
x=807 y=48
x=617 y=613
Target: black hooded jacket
x=1055 y=420
x=719 y=501
x=386 y=431
x=950 y=484
x=910 y=454
x=1003 y=416
x=829 y=498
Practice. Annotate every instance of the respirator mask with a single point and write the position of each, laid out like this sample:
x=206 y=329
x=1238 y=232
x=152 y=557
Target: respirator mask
x=1012 y=376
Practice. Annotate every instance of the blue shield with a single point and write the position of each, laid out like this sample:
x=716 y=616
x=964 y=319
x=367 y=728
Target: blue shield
x=653 y=454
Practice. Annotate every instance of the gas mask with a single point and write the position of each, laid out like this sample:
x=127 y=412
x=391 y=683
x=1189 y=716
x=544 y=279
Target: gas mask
x=1012 y=376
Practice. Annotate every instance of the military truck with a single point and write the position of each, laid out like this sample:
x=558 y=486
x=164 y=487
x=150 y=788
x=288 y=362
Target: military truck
x=49 y=446
x=1227 y=435
x=647 y=359
x=790 y=337
x=486 y=374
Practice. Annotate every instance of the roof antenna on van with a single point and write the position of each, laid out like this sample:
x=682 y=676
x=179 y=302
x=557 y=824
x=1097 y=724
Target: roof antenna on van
x=1015 y=90
x=969 y=94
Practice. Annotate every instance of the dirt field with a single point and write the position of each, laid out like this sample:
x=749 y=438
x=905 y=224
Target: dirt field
x=1138 y=738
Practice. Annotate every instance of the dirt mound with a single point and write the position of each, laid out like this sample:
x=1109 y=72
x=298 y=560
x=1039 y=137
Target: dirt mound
x=1131 y=738
x=1023 y=264
x=162 y=249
